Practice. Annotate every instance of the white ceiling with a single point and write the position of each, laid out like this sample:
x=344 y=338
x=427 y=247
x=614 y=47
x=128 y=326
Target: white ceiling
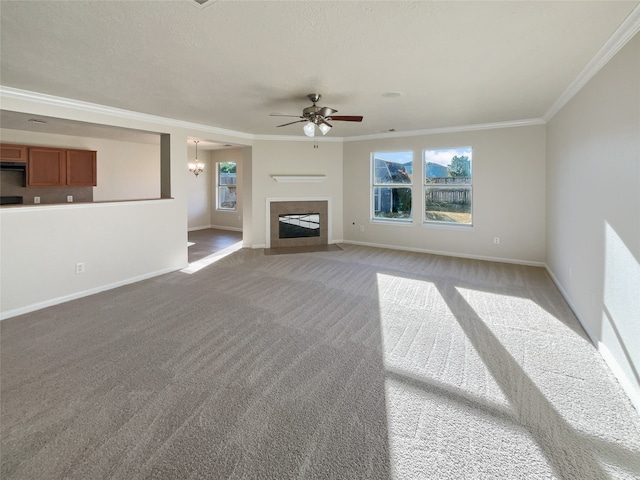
x=230 y=64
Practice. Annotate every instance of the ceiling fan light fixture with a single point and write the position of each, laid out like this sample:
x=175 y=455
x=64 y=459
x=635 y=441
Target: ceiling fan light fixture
x=315 y=116
x=310 y=129
x=324 y=128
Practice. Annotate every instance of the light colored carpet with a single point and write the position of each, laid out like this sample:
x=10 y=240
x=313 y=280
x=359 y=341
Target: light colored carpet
x=357 y=364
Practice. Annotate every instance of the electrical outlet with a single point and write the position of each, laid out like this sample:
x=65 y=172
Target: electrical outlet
x=36 y=199
x=79 y=267
x=496 y=240
x=69 y=198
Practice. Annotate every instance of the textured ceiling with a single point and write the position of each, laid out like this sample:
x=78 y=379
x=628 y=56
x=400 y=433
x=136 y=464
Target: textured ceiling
x=229 y=64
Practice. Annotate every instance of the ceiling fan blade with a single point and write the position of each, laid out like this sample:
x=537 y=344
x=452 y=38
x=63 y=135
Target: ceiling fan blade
x=291 y=123
x=326 y=112
x=346 y=118
x=283 y=115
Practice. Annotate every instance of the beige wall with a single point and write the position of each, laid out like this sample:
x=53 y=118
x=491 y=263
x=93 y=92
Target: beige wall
x=126 y=170
x=118 y=243
x=508 y=196
x=295 y=158
x=199 y=188
x=247 y=196
x=593 y=210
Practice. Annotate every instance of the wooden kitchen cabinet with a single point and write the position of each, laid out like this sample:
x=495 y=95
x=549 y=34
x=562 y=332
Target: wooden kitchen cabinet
x=57 y=167
x=81 y=168
x=13 y=153
x=47 y=167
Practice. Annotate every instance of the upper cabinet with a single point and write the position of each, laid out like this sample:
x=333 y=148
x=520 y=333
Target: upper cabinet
x=53 y=167
x=81 y=168
x=13 y=153
x=47 y=167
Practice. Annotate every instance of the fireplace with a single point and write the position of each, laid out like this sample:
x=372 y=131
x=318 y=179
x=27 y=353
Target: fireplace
x=298 y=223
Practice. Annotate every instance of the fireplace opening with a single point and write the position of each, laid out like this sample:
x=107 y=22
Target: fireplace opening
x=299 y=225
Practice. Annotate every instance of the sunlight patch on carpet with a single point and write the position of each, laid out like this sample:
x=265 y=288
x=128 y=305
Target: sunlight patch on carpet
x=210 y=259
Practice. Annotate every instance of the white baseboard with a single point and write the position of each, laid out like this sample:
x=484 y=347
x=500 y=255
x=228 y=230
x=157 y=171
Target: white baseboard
x=193 y=229
x=629 y=388
x=447 y=254
x=222 y=227
x=85 y=293
x=217 y=227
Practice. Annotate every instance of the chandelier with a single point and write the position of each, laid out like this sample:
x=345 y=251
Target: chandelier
x=196 y=167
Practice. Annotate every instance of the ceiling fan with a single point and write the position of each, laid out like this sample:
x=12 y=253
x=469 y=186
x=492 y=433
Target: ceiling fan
x=318 y=116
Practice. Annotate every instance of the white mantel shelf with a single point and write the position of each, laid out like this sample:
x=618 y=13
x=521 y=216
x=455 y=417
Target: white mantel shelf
x=299 y=178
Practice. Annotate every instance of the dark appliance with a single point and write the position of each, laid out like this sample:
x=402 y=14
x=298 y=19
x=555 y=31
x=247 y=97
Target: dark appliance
x=13 y=166
x=11 y=200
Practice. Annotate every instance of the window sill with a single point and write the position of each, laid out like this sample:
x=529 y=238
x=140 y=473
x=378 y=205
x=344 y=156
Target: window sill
x=401 y=223
x=448 y=226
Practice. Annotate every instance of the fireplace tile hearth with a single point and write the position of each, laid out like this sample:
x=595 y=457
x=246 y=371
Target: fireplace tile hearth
x=332 y=247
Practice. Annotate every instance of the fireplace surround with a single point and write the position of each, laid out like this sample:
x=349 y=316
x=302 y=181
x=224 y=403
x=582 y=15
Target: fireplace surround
x=305 y=213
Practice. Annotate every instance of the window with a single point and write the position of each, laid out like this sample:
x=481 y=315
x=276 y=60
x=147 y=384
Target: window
x=392 y=180
x=448 y=186
x=226 y=185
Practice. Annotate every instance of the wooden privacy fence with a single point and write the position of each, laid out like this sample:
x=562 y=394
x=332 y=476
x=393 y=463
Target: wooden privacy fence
x=448 y=180
x=227 y=179
x=227 y=190
x=449 y=195
x=458 y=195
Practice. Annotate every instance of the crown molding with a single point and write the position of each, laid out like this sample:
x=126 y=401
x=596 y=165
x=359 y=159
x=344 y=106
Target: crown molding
x=625 y=32
x=462 y=128
x=42 y=98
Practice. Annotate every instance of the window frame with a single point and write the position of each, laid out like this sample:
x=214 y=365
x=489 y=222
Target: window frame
x=373 y=185
x=219 y=207
x=440 y=224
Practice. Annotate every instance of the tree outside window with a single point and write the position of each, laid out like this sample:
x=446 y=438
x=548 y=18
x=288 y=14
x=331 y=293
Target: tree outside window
x=448 y=186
